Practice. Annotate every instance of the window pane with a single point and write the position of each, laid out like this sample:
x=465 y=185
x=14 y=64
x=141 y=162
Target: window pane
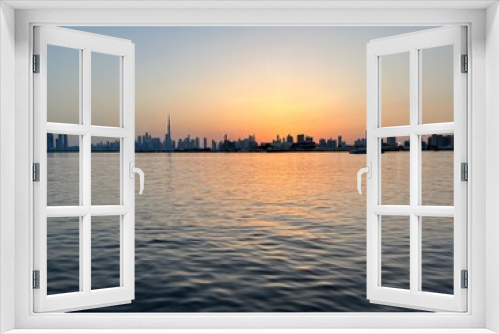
x=437 y=170
x=63 y=169
x=395 y=259
x=105 y=90
x=106 y=171
x=437 y=255
x=437 y=84
x=395 y=171
x=63 y=255
x=105 y=252
x=395 y=89
x=63 y=85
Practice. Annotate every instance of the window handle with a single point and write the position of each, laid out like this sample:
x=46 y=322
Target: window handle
x=368 y=171
x=139 y=171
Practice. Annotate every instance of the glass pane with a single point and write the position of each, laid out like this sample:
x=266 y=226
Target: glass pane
x=105 y=171
x=395 y=89
x=437 y=170
x=63 y=85
x=63 y=169
x=395 y=259
x=437 y=84
x=395 y=171
x=105 y=252
x=437 y=255
x=63 y=255
x=105 y=90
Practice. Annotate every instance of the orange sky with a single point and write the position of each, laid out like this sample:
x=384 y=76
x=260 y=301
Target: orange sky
x=254 y=80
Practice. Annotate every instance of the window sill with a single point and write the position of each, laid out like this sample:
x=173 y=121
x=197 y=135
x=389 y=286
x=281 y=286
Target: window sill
x=251 y=331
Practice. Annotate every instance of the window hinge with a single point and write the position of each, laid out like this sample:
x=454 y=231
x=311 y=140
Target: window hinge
x=36 y=63
x=465 y=64
x=36 y=172
x=36 y=279
x=464 y=172
x=465 y=279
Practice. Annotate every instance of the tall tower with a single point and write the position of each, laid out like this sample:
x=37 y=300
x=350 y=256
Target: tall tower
x=168 y=137
x=168 y=127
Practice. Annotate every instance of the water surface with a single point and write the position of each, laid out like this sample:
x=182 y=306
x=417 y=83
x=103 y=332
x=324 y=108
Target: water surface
x=250 y=232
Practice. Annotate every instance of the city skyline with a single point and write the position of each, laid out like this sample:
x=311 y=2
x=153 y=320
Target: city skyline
x=147 y=142
x=299 y=143
x=241 y=80
x=303 y=142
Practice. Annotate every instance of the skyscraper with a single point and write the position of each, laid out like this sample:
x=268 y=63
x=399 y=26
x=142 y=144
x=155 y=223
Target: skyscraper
x=391 y=141
x=65 y=142
x=146 y=142
x=50 y=142
x=62 y=142
x=168 y=137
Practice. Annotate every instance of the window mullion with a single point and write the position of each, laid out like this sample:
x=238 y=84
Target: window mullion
x=85 y=161
x=414 y=172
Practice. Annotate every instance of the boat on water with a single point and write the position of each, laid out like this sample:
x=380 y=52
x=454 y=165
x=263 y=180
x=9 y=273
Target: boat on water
x=361 y=150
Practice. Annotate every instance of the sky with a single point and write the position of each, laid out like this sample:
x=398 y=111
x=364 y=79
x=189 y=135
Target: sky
x=251 y=80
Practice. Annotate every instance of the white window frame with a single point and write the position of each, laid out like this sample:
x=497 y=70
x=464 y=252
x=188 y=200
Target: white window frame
x=484 y=46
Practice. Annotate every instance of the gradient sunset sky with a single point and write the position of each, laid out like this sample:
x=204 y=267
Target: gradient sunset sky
x=251 y=80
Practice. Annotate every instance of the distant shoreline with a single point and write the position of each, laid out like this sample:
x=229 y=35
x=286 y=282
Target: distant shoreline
x=240 y=152
x=201 y=152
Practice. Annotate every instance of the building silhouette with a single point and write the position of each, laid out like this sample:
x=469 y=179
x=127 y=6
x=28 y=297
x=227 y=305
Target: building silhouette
x=169 y=146
x=50 y=142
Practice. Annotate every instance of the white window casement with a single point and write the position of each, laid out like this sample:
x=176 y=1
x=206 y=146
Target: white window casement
x=476 y=122
x=86 y=44
x=414 y=45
